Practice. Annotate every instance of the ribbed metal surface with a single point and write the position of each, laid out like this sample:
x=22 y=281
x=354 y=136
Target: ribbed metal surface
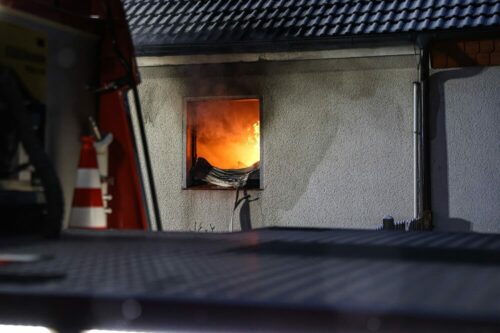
x=335 y=269
x=155 y=22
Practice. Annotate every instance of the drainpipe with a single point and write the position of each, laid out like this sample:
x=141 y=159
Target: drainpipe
x=422 y=218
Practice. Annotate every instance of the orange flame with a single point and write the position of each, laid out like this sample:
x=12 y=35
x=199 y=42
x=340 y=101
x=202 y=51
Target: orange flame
x=226 y=132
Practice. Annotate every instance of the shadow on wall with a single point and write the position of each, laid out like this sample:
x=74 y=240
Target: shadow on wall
x=439 y=150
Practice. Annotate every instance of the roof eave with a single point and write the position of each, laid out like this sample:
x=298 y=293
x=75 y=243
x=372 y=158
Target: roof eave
x=340 y=42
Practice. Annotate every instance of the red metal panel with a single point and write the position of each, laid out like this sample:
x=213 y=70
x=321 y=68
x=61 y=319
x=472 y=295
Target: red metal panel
x=116 y=40
x=127 y=203
x=106 y=19
x=118 y=64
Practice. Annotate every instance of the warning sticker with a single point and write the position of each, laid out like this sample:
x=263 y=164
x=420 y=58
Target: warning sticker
x=25 y=51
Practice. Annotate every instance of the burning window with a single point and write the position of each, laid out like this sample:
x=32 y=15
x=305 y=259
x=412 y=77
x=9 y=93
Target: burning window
x=223 y=143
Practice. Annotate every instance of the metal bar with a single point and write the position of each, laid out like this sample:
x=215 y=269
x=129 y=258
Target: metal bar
x=147 y=159
x=143 y=185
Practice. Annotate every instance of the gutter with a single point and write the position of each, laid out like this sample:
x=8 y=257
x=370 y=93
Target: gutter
x=309 y=44
x=313 y=44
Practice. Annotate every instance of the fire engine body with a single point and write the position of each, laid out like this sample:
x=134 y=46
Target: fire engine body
x=67 y=71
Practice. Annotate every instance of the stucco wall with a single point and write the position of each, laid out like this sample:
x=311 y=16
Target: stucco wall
x=466 y=149
x=337 y=141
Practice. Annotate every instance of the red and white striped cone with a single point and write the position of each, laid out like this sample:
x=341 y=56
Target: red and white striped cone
x=88 y=208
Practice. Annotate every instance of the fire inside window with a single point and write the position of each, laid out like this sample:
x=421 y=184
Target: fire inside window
x=223 y=143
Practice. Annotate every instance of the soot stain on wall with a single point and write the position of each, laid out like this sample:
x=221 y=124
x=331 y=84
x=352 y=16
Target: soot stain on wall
x=305 y=108
x=286 y=134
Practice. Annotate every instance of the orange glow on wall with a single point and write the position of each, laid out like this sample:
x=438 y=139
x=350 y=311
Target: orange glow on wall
x=226 y=132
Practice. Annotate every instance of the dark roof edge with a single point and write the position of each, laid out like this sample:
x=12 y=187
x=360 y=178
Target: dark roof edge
x=354 y=41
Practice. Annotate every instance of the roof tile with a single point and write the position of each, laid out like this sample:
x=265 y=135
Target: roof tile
x=158 y=22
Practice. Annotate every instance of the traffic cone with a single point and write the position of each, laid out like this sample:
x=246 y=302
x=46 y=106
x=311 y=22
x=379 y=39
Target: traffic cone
x=88 y=210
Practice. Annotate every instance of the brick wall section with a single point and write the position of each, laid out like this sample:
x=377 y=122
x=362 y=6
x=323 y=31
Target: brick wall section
x=449 y=54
